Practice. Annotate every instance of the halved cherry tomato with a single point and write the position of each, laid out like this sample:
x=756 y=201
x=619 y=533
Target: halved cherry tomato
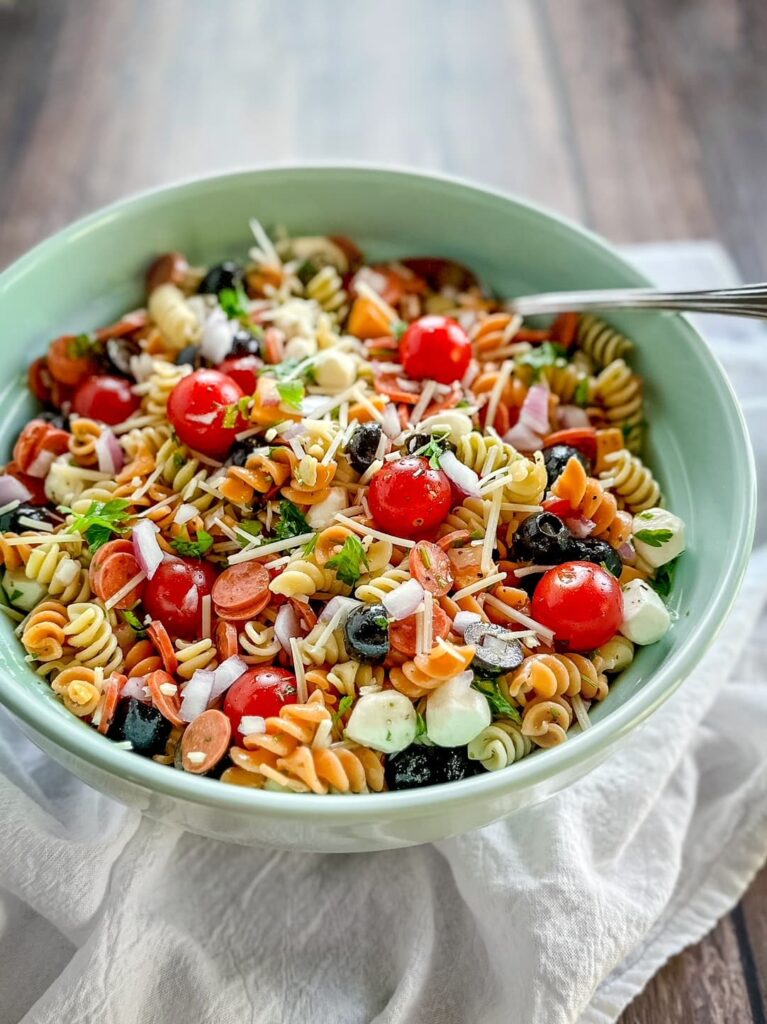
x=407 y=497
x=64 y=365
x=582 y=438
x=261 y=692
x=403 y=634
x=581 y=602
x=431 y=567
x=175 y=592
x=112 y=688
x=243 y=370
x=108 y=399
x=559 y=507
x=196 y=409
x=435 y=348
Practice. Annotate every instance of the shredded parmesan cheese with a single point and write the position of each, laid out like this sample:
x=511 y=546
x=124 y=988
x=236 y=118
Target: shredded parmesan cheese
x=495 y=394
x=206 y=615
x=428 y=620
x=270 y=549
x=298 y=670
x=482 y=584
x=511 y=613
x=424 y=401
x=369 y=531
x=491 y=531
x=124 y=591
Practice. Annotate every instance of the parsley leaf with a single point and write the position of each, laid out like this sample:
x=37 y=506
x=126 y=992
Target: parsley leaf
x=101 y=521
x=581 y=396
x=234 y=302
x=193 y=548
x=291 y=393
x=663 y=579
x=496 y=700
x=135 y=624
x=347 y=563
x=463 y=404
x=82 y=345
x=310 y=545
x=292 y=369
x=307 y=271
x=250 y=526
x=645 y=515
x=291 y=522
x=420 y=725
x=381 y=621
x=655 y=538
x=398 y=328
x=434 y=449
x=544 y=355
x=343 y=706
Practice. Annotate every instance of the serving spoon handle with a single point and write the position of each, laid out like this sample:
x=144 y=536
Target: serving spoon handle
x=745 y=300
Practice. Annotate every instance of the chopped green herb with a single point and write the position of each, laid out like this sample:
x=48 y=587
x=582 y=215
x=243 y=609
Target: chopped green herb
x=193 y=548
x=311 y=545
x=307 y=271
x=663 y=579
x=343 y=706
x=250 y=526
x=234 y=302
x=434 y=449
x=398 y=328
x=498 y=703
x=101 y=521
x=82 y=345
x=178 y=460
x=135 y=624
x=291 y=393
x=291 y=521
x=463 y=404
x=547 y=354
x=420 y=725
x=292 y=369
x=15 y=595
x=381 y=621
x=388 y=735
x=239 y=408
x=349 y=560
x=581 y=396
x=655 y=538
x=646 y=515
x=425 y=557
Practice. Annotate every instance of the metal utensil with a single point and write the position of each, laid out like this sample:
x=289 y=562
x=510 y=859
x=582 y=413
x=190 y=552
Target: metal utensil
x=747 y=300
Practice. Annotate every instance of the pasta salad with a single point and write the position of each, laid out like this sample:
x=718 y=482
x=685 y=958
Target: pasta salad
x=313 y=524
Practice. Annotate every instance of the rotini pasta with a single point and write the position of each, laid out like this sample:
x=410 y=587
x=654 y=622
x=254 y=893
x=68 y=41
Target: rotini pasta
x=601 y=342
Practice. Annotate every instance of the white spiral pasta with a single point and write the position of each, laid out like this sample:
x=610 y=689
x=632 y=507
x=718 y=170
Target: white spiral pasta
x=377 y=588
x=156 y=390
x=617 y=654
x=258 y=642
x=631 y=480
x=330 y=651
x=90 y=632
x=304 y=577
x=601 y=342
x=199 y=654
x=56 y=569
x=173 y=315
x=327 y=290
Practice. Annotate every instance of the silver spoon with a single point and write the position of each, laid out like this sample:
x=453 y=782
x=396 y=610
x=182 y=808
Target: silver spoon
x=747 y=300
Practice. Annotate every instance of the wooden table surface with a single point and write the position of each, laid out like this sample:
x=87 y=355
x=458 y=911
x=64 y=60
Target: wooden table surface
x=643 y=119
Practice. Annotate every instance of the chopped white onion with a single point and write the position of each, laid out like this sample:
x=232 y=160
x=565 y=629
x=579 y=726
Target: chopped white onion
x=41 y=464
x=311 y=403
x=404 y=600
x=336 y=603
x=463 y=477
x=136 y=687
x=228 y=672
x=579 y=527
x=464 y=619
x=569 y=416
x=522 y=438
x=184 y=514
x=12 y=489
x=217 y=336
x=196 y=695
x=149 y=554
x=109 y=453
x=286 y=626
x=252 y=725
x=294 y=430
x=390 y=424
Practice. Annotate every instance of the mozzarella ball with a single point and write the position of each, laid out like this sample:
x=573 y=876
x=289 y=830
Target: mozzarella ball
x=322 y=514
x=384 y=721
x=335 y=370
x=663 y=534
x=455 y=713
x=645 y=617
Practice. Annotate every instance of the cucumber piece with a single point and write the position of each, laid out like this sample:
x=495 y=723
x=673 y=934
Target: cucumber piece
x=21 y=592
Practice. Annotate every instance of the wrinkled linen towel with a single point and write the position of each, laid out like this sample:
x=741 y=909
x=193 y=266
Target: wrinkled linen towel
x=561 y=913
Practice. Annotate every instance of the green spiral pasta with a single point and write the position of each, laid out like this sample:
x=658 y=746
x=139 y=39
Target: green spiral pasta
x=631 y=480
x=601 y=342
x=499 y=745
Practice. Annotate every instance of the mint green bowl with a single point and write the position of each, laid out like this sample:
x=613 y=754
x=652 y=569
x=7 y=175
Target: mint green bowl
x=93 y=270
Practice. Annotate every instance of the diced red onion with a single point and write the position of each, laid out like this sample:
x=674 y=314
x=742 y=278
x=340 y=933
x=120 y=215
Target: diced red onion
x=12 y=489
x=404 y=600
x=464 y=619
x=184 y=514
x=41 y=464
x=217 y=336
x=333 y=605
x=136 y=687
x=627 y=553
x=461 y=475
x=535 y=409
x=286 y=626
x=523 y=438
x=228 y=672
x=390 y=423
x=569 y=416
x=109 y=453
x=149 y=554
x=579 y=527
x=196 y=695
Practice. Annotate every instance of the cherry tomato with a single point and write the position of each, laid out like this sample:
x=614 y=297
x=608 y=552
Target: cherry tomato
x=431 y=567
x=196 y=411
x=65 y=366
x=108 y=399
x=261 y=691
x=408 y=497
x=581 y=602
x=560 y=507
x=243 y=370
x=175 y=592
x=437 y=348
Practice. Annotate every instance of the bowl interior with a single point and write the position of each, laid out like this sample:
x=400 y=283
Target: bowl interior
x=93 y=271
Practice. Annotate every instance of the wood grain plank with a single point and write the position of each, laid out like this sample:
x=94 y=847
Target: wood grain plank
x=703 y=985
x=754 y=910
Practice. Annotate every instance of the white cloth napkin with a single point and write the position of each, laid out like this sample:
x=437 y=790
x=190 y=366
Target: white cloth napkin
x=562 y=913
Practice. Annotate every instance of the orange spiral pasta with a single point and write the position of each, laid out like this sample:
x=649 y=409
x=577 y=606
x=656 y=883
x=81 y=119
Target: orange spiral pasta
x=428 y=671
x=43 y=636
x=259 y=475
x=491 y=335
x=79 y=688
x=82 y=441
x=586 y=496
x=13 y=556
x=555 y=675
x=546 y=721
x=141 y=659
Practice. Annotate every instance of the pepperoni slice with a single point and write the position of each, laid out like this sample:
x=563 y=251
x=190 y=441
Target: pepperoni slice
x=115 y=573
x=110 y=548
x=171 y=268
x=159 y=636
x=112 y=689
x=402 y=634
x=306 y=615
x=168 y=704
x=226 y=640
x=129 y=324
x=386 y=384
x=431 y=567
x=239 y=587
x=28 y=444
x=582 y=438
x=209 y=734
x=248 y=612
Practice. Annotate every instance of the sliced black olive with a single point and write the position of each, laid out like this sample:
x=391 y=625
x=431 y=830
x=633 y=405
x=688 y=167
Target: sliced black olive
x=418 y=441
x=192 y=356
x=224 y=275
x=496 y=649
x=307 y=271
x=119 y=352
x=557 y=457
x=10 y=522
x=422 y=765
x=142 y=725
x=543 y=538
x=363 y=445
x=56 y=419
x=244 y=344
x=591 y=549
x=240 y=450
x=367 y=633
